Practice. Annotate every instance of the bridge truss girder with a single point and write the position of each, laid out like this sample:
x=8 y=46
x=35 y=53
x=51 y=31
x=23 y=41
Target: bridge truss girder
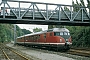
x=46 y=16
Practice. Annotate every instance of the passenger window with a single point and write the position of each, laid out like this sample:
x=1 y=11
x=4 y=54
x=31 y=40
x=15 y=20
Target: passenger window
x=32 y=37
x=29 y=38
x=35 y=37
x=38 y=36
x=44 y=35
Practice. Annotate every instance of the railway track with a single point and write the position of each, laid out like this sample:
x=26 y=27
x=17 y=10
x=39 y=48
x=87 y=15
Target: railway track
x=73 y=51
x=85 y=49
x=7 y=53
x=79 y=52
x=76 y=51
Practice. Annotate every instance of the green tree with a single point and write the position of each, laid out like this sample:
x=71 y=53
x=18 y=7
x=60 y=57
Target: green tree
x=2 y=33
x=7 y=32
x=75 y=6
x=19 y=31
x=37 y=29
x=66 y=9
x=80 y=35
x=26 y=31
x=82 y=3
x=55 y=26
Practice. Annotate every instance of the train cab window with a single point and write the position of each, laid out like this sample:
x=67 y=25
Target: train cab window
x=35 y=37
x=56 y=33
x=61 y=33
x=65 y=33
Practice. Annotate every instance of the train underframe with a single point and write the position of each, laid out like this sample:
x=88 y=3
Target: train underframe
x=57 y=47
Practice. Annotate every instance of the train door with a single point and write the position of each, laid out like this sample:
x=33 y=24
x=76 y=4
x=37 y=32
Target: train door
x=45 y=37
x=24 y=39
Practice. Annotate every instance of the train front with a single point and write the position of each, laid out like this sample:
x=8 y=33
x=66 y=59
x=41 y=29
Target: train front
x=64 y=40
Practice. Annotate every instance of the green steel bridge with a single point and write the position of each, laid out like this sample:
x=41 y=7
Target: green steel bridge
x=43 y=13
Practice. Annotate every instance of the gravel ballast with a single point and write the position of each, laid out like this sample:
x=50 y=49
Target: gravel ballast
x=37 y=54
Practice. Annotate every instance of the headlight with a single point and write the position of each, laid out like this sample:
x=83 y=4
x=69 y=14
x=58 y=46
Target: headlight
x=66 y=40
x=68 y=43
x=60 y=40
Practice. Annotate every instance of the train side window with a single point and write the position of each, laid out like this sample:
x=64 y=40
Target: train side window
x=44 y=35
x=24 y=38
x=29 y=38
x=38 y=36
x=35 y=37
x=32 y=37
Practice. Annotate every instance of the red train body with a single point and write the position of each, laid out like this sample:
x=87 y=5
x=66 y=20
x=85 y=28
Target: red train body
x=54 y=38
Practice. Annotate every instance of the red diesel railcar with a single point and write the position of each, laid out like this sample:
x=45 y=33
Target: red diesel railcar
x=54 y=38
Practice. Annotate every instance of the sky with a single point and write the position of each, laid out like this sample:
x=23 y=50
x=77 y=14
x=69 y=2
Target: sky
x=44 y=27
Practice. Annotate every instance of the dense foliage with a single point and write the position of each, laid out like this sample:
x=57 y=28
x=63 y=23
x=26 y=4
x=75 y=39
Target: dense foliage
x=80 y=35
x=37 y=30
x=7 y=32
x=26 y=31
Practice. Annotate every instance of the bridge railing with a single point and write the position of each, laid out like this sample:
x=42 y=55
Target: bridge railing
x=43 y=11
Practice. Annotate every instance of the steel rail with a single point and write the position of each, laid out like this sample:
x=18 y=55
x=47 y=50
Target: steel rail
x=5 y=54
x=17 y=53
x=20 y=55
x=79 y=52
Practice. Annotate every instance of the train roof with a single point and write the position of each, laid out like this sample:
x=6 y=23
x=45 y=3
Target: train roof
x=50 y=30
x=58 y=30
x=32 y=34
